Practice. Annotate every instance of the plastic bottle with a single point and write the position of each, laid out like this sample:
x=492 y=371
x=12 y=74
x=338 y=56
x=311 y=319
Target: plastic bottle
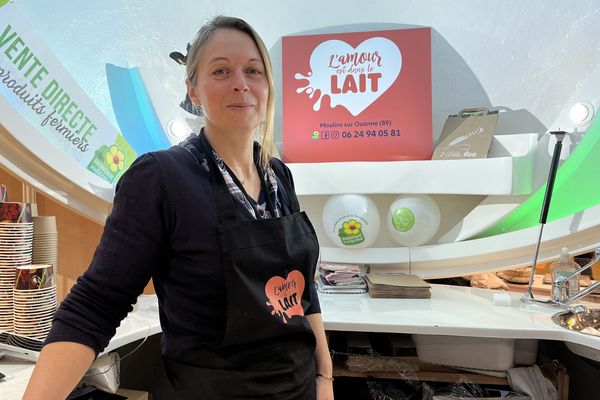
x=562 y=268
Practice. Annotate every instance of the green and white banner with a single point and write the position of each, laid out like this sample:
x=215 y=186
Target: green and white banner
x=41 y=91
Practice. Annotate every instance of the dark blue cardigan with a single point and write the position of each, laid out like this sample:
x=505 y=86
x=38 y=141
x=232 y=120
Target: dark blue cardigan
x=163 y=226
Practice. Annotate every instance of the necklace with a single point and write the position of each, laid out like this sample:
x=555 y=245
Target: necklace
x=243 y=181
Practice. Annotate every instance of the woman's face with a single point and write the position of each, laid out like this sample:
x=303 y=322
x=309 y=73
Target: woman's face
x=231 y=83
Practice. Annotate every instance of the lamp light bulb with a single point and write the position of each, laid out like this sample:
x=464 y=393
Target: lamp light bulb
x=581 y=113
x=176 y=130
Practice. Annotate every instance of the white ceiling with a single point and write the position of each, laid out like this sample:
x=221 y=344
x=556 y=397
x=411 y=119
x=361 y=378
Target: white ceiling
x=535 y=56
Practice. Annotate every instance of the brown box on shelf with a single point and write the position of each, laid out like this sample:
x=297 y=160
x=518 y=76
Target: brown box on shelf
x=397 y=286
x=366 y=353
x=376 y=363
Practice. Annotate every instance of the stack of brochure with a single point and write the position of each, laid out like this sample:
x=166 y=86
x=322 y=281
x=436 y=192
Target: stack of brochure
x=397 y=286
x=340 y=278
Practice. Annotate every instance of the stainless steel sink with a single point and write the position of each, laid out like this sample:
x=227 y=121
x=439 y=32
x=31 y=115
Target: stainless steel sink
x=587 y=322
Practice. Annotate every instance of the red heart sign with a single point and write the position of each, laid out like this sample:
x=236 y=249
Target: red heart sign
x=285 y=294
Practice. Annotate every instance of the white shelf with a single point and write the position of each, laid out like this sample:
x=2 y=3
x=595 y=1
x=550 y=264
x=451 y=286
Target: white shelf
x=508 y=170
x=399 y=256
x=579 y=232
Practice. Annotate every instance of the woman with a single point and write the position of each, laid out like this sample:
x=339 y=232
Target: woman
x=216 y=224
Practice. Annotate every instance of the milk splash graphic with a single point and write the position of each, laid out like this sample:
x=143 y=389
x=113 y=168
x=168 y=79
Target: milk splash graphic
x=352 y=77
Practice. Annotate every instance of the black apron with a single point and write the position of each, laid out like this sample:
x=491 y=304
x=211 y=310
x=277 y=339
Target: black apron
x=268 y=347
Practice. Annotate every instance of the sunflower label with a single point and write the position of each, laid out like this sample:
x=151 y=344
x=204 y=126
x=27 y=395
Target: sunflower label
x=46 y=110
x=351 y=233
x=109 y=162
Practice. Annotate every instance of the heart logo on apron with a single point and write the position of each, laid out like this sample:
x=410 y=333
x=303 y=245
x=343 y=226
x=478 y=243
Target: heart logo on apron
x=284 y=295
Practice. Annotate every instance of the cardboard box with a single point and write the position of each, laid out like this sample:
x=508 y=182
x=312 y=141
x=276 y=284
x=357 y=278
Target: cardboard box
x=467 y=135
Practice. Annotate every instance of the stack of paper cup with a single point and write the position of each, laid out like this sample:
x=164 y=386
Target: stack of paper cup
x=34 y=304
x=15 y=251
x=45 y=241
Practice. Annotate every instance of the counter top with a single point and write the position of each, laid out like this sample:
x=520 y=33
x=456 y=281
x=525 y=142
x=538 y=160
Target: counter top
x=452 y=310
x=140 y=323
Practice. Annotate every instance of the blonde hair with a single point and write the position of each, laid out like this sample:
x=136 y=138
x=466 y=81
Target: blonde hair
x=202 y=37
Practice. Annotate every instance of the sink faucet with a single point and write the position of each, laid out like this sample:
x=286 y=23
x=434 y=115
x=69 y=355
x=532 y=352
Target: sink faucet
x=561 y=285
x=560 y=290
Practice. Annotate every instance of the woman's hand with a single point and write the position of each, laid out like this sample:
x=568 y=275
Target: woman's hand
x=324 y=388
x=323 y=363
x=59 y=368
